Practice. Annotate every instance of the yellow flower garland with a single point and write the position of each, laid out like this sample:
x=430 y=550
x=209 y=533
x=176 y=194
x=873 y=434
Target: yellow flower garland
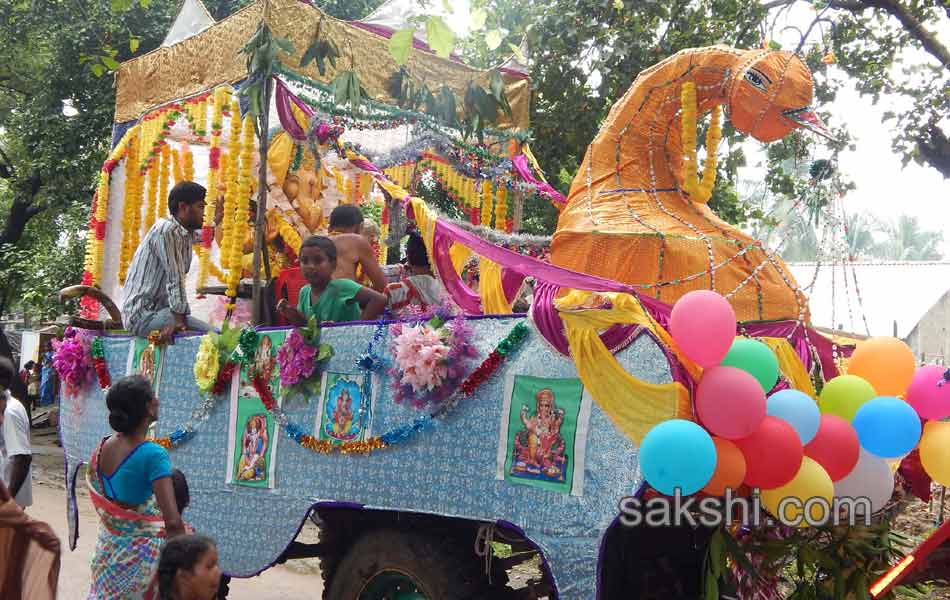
x=176 y=166
x=206 y=364
x=163 y=180
x=204 y=254
x=129 y=209
x=241 y=209
x=699 y=191
x=230 y=182
x=289 y=234
x=486 y=202
x=188 y=163
x=151 y=213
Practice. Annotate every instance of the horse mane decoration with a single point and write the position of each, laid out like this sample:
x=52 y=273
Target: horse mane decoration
x=637 y=212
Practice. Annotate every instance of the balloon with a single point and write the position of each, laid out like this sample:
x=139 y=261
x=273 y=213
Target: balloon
x=677 y=454
x=844 y=395
x=756 y=359
x=703 y=326
x=835 y=447
x=730 y=468
x=871 y=481
x=798 y=410
x=930 y=402
x=729 y=402
x=887 y=427
x=935 y=451
x=805 y=500
x=773 y=454
x=885 y=362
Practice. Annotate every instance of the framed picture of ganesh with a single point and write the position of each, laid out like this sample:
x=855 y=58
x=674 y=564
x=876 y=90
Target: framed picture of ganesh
x=543 y=433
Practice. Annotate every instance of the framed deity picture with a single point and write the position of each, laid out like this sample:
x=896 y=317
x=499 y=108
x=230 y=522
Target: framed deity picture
x=146 y=360
x=543 y=433
x=345 y=410
x=253 y=431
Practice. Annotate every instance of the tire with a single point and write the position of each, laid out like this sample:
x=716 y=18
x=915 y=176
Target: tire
x=439 y=569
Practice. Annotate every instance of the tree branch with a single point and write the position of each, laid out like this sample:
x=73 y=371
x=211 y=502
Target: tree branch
x=908 y=20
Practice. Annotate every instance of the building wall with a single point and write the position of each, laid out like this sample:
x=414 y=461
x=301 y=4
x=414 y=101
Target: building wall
x=930 y=338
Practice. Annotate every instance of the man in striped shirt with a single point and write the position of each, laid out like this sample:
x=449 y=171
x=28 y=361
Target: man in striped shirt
x=155 y=298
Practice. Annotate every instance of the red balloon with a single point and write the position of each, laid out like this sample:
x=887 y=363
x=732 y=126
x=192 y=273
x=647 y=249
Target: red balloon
x=835 y=447
x=773 y=454
x=730 y=403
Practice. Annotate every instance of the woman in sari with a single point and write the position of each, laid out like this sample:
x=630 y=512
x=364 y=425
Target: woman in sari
x=130 y=484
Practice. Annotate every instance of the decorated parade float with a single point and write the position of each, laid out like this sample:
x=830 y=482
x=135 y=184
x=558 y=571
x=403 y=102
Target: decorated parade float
x=445 y=453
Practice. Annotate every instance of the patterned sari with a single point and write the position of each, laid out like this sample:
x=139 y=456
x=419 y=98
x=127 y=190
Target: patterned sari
x=129 y=543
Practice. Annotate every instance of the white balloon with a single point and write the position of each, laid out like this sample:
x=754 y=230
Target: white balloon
x=872 y=479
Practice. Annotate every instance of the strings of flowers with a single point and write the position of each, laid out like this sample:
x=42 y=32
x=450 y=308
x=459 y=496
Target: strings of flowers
x=429 y=358
x=699 y=191
x=98 y=353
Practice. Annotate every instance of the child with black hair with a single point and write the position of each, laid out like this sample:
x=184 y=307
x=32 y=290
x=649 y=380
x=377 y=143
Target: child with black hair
x=418 y=288
x=188 y=569
x=356 y=256
x=326 y=298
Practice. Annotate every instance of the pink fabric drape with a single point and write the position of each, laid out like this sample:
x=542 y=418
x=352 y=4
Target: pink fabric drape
x=283 y=97
x=521 y=165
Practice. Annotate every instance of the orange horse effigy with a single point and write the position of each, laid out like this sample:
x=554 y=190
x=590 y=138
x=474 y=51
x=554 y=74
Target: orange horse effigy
x=637 y=209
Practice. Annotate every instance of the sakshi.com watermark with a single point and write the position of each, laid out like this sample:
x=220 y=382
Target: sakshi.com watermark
x=748 y=511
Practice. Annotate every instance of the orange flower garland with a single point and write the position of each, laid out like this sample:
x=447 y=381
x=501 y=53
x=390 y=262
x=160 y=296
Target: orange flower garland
x=176 y=166
x=129 y=209
x=151 y=212
x=241 y=209
x=188 y=163
x=163 y=180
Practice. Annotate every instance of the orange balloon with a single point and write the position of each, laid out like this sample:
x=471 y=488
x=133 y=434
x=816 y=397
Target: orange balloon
x=886 y=363
x=730 y=468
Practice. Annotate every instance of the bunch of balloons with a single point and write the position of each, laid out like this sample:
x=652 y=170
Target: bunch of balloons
x=786 y=443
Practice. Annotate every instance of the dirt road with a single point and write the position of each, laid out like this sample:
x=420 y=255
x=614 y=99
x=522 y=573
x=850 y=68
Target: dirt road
x=296 y=579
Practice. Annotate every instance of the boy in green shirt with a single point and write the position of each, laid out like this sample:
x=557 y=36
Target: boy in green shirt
x=328 y=299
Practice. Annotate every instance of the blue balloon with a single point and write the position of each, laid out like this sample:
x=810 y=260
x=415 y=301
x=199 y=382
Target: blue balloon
x=677 y=454
x=887 y=427
x=798 y=410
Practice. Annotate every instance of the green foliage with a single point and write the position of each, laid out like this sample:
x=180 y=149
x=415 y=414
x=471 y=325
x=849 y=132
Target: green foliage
x=400 y=45
x=262 y=59
x=346 y=89
x=322 y=50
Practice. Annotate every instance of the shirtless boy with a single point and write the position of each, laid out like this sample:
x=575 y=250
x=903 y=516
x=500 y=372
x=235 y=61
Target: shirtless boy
x=346 y=224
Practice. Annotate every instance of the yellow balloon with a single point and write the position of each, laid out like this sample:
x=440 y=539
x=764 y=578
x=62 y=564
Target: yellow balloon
x=935 y=451
x=811 y=491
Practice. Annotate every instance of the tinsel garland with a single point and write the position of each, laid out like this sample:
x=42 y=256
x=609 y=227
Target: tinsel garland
x=386 y=112
x=368 y=362
x=99 y=362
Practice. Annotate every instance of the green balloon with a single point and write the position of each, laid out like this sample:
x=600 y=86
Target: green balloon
x=756 y=359
x=844 y=395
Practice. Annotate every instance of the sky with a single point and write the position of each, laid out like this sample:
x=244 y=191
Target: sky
x=885 y=188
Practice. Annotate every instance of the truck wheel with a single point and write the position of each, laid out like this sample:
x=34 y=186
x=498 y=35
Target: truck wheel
x=397 y=565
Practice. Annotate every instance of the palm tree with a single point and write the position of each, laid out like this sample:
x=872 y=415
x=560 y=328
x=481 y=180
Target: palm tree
x=906 y=241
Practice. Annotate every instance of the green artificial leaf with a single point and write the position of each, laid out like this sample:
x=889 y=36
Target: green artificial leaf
x=712 y=587
x=98 y=70
x=400 y=45
x=439 y=37
x=228 y=339
x=309 y=54
x=717 y=554
x=498 y=92
x=518 y=54
x=501 y=550
x=339 y=87
x=110 y=63
x=325 y=353
x=447 y=106
x=285 y=45
x=493 y=39
x=477 y=20
x=134 y=44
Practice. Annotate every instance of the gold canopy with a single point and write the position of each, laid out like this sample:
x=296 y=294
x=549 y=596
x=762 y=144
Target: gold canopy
x=212 y=58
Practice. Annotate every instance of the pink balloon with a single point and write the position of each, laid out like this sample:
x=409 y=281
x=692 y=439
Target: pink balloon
x=835 y=447
x=932 y=403
x=703 y=325
x=730 y=403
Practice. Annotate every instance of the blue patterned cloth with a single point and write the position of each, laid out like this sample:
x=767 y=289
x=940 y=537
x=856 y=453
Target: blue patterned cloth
x=449 y=469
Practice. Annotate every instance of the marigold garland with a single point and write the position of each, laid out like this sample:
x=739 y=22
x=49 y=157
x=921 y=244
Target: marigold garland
x=151 y=212
x=242 y=204
x=163 y=180
x=699 y=191
x=130 y=209
x=176 y=166
x=188 y=163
